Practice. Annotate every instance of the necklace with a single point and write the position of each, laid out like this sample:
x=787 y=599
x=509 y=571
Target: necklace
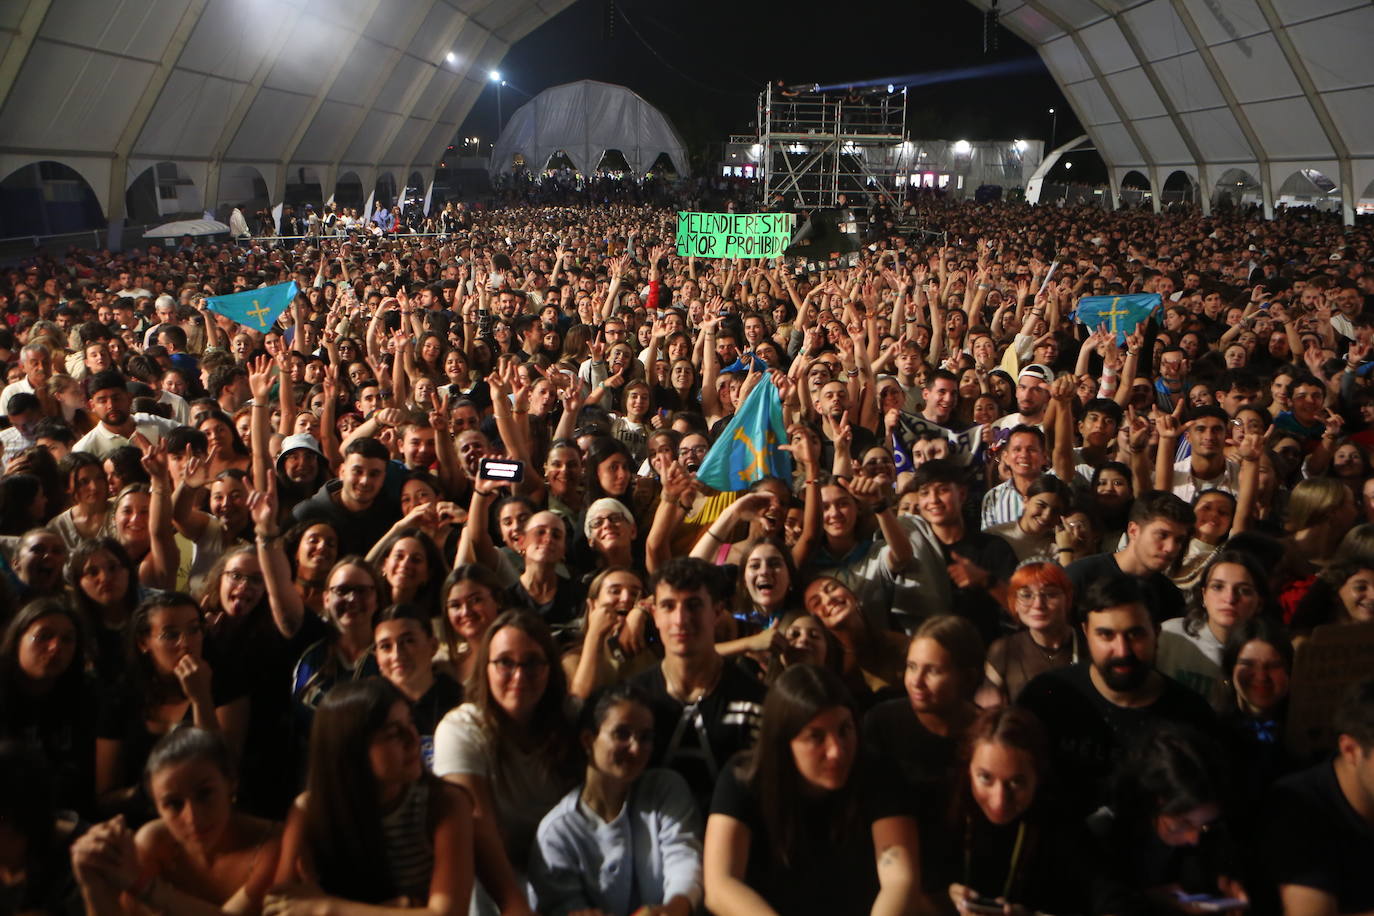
x=680 y=693
x=1048 y=653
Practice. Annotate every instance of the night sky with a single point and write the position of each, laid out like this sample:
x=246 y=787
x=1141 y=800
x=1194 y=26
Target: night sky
x=704 y=68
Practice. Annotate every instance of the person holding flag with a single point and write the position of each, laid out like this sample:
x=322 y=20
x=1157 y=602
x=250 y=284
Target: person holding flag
x=255 y=309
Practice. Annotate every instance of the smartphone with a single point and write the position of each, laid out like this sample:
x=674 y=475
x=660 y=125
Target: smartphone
x=985 y=906
x=501 y=469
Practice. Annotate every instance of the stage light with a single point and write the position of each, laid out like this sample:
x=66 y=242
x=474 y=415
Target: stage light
x=891 y=89
x=1051 y=111
x=494 y=76
x=1068 y=165
x=451 y=57
x=962 y=147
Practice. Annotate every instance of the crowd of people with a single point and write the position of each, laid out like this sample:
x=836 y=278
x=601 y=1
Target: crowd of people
x=414 y=600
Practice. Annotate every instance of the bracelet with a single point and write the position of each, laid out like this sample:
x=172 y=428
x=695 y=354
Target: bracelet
x=1063 y=550
x=851 y=372
x=686 y=508
x=268 y=537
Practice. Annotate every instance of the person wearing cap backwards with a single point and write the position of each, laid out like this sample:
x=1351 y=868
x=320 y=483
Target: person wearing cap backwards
x=1032 y=397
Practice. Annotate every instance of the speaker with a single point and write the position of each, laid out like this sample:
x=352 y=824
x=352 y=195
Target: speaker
x=826 y=233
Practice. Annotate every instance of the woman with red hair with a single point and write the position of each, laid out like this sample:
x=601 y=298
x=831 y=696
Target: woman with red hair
x=1041 y=596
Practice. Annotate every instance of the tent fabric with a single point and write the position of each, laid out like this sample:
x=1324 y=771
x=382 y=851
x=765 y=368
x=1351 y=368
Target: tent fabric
x=584 y=120
x=1269 y=87
x=370 y=86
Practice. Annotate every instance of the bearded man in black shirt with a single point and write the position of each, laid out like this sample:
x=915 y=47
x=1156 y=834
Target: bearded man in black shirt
x=1093 y=711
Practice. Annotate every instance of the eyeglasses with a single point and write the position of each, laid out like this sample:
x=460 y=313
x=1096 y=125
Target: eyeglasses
x=508 y=666
x=1029 y=595
x=349 y=592
x=240 y=578
x=692 y=450
x=598 y=523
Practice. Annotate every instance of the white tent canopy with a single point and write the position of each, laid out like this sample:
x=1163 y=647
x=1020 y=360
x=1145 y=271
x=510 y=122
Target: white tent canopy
x=236 y=92
x=583 y=120
x=1268 y=87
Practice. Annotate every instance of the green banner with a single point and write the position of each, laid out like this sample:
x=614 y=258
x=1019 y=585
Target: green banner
x=733 y=235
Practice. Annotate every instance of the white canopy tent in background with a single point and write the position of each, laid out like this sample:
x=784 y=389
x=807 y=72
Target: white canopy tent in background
x=241 y=94
x=583 y=120
x=1221 y=90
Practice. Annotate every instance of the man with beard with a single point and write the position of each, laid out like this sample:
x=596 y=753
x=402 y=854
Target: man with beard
x=1032 y=397
x=1157 y=533
x=1093 y=711
x=354 y=504
x=110 y=402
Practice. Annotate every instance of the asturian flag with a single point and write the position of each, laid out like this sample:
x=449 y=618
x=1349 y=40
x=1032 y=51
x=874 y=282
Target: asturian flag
x=255 y=308
x=1118 y=314
x=748 y=447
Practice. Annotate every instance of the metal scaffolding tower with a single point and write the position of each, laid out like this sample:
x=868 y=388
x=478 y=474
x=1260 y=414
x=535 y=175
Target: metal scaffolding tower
x=817 y=146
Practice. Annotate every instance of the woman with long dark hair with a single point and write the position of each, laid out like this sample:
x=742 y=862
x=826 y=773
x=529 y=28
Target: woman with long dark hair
x=800 y=824
x=88 y=493
x=104 y=586
x=1232 y=589
x=200 y=856
x=46 y=697
x=169 y=683
x=511 y=745
x=1004 y=843
x=1162 y=835
x=373 y=827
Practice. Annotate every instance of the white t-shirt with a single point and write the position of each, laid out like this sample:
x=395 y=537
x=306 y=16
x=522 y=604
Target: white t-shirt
x=100 y=441
x=520 y=787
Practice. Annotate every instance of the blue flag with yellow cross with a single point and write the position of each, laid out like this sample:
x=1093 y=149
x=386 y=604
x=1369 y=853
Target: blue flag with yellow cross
x=1118 y=314
x=255 y=308
x=748 y=447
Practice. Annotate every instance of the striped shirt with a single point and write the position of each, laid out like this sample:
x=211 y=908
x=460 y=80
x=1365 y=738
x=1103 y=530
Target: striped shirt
x=409 y=846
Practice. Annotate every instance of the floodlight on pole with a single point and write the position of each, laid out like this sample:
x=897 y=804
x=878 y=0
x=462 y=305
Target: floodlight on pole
x=1054 y=122
x=495 y=76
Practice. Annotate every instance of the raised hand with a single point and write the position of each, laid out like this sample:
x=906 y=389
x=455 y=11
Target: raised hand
x=260 y=379
x=262 y=508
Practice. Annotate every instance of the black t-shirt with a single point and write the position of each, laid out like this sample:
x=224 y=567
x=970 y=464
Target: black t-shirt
x=832 y=868
x=921 y=762
x=1162 y=596
x=698 y=740
x=561 y=611
x=358 y=532
x=1038 y=861
x=994 y=554
x=1315 y=839
x=444 y=694
x=1088 y=732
